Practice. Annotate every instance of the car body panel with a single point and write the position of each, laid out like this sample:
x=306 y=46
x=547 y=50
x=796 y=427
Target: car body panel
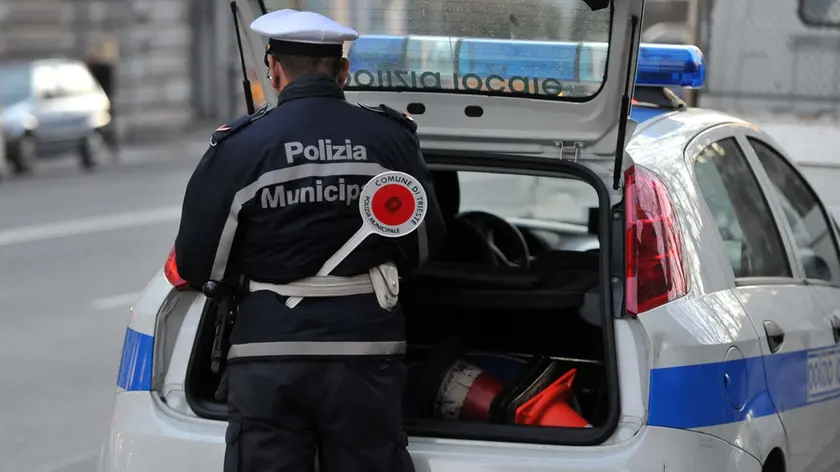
x=672 y=360
x=787 y=382
x=145 y=437
x=809 y=442
x=803 y=373
x=697 y=340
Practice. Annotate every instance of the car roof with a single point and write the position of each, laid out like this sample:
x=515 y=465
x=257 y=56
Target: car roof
x=662 y=138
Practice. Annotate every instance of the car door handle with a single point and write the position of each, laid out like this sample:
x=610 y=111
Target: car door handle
x=775 y=336
x=835 y=327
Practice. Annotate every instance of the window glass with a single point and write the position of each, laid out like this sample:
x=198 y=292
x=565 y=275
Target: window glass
x=556 y=209
x=15 y=84
x=532 y=48
x=430 y=53
x=817 y=249
x=741 y=212
x=820 y=12
x=525 y=196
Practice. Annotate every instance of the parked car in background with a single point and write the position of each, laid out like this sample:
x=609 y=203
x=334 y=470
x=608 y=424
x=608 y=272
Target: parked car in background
x=49 y=107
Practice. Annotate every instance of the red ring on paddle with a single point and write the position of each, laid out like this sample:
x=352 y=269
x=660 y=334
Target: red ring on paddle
x=393 y=205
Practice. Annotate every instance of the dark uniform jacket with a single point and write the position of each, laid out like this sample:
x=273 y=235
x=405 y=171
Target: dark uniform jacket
x=277 y=194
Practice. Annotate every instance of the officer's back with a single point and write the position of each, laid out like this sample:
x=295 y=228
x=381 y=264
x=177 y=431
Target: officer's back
x=314 y=153
x=321 y=139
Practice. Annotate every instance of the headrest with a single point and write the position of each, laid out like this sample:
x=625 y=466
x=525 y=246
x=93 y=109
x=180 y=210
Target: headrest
x=593 y=225
x=448 y=192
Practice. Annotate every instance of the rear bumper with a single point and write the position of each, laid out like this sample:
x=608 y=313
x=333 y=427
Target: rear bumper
x=143 y=436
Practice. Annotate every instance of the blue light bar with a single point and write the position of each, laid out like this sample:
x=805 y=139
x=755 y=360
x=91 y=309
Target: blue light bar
x=659 y=65
x=376 y=52
x=670 y=66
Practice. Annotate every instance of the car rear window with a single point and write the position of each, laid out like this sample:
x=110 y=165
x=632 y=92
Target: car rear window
x=552 y=49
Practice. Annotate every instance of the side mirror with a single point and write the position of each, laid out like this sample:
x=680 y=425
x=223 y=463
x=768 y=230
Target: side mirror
x=816 y=267
x=820 y=12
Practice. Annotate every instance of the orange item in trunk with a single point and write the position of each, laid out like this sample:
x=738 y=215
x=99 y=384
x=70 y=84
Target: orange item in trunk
x=551 y=407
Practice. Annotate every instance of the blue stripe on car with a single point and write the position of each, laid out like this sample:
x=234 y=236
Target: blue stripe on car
x=696 y=396
x=135 y=372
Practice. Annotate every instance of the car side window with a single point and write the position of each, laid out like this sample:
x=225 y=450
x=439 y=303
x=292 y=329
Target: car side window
x=742 y=213
x=811 y=225
x=46 y=82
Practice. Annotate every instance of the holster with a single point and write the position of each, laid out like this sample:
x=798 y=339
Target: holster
x=226 y=304
x=385 y=279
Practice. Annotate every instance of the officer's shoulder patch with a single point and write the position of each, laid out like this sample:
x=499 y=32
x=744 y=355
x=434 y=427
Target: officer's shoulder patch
x=400 y=117
x=225 y=131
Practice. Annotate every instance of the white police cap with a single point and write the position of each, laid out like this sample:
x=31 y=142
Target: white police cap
x=302 y=33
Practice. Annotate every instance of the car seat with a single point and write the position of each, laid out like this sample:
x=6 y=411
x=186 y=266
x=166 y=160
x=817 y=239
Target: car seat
x=465 y=243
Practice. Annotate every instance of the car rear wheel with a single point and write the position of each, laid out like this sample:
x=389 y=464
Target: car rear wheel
x=24 y=155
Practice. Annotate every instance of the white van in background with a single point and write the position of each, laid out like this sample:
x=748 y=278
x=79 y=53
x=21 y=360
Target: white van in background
x=773 y=62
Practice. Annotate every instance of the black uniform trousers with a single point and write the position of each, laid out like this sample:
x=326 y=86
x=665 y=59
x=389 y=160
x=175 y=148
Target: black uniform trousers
x=348 y=411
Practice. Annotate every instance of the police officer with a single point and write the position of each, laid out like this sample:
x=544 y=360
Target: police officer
x=272 y=199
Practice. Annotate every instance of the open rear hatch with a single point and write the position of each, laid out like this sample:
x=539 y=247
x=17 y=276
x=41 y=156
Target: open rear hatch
x=550 y=78
x=534 y=87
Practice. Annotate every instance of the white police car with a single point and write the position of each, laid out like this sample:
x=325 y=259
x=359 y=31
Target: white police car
x=696 y=304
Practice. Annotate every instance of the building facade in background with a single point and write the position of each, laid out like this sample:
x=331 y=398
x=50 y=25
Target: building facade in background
x=172 y=61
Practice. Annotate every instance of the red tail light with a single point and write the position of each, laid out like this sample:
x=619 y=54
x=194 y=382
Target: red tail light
x=171 y=272
x=655 y=262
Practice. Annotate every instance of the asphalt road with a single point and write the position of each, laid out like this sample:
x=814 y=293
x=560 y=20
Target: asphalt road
x=75 y=249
